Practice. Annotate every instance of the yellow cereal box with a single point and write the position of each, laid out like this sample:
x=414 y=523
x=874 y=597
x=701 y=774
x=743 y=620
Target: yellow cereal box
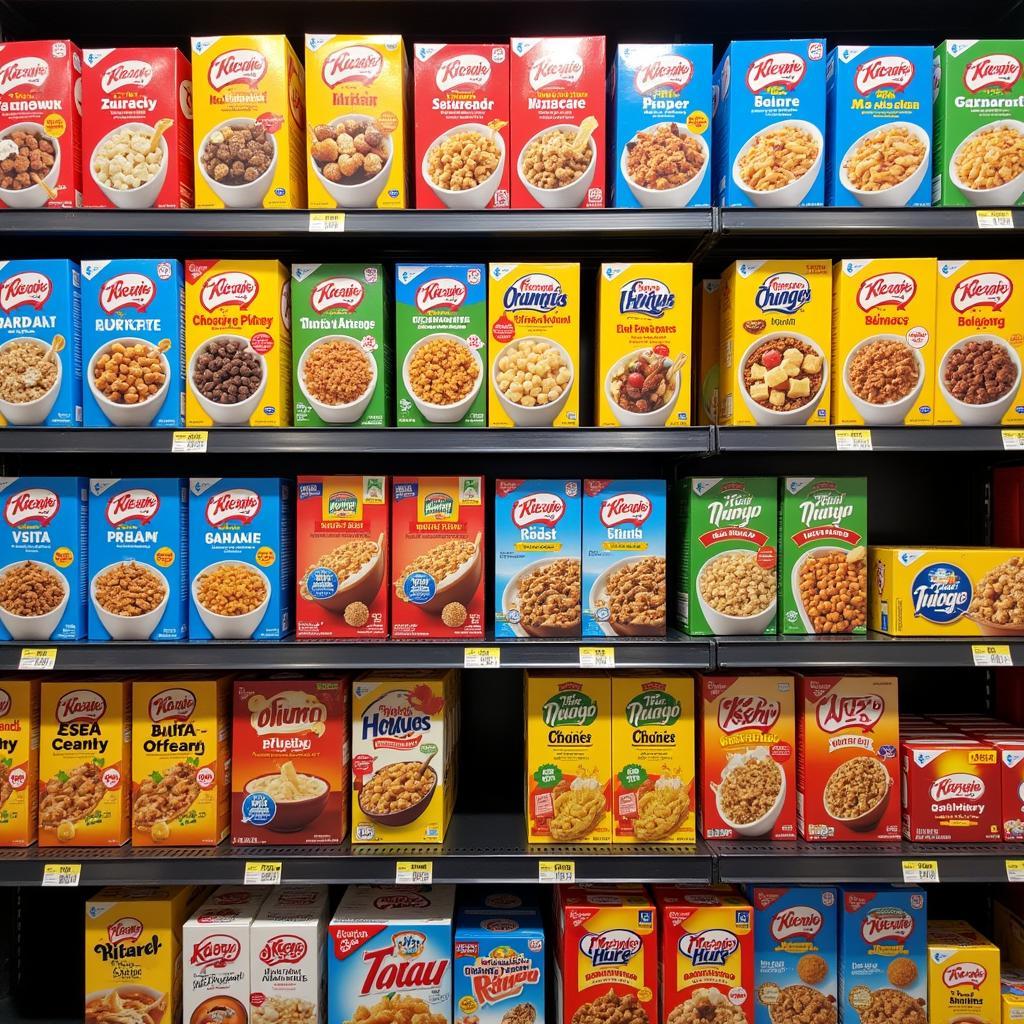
x=181 y=791
x=979 y=323
x=237 y=344
x=19 y=761
x=708 y=328
x=963 y=974
x=653 y=759
x=775 y=344
x=533 y=310
x=249 y=123
x=84 y=763
x=568 y=758
x=1012 y=990
x=644 y=323
x=355 y=101
x=883 y=342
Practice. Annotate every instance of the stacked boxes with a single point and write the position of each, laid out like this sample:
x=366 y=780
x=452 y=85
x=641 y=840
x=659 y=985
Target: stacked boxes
x=963 y=974
x=19 y=766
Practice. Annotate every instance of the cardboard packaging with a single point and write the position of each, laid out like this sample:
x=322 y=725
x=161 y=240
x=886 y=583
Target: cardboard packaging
x=19 y=765
x=963 y=974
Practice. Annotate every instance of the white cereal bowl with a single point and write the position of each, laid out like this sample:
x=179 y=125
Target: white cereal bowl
x=228 y=415
x=30 y=414
x=129 y=627
x=894 y=413
x=34 y=196
x=654 y=418
x=598 y=590
x=145 y=195
x=140 y=415
x=792 y=194
x=35 y=627
x=1002 y=195
x=567 y=197
x=733 y=625
x=477 y=197
x=511 y=592
x=231 y=627
x=991 y=413
x=794 y=417
x=669 y=198
x=794 y=581
x=538 y=415
x=249 y=194
x=346 y=412
x=366 y=193
x=902 y=193
x=455 y=412
x=761 y=826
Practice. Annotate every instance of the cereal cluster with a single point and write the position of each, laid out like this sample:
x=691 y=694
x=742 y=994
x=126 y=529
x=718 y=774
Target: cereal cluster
x=783 y=374
x=749 y=791
x=129 y=374
x=397 y=787
x=72 y=798
x=834 y=590
x=231 y=590
x=397 y=1009
x=227 y=371
x=549 y=595
x=532 y=372
x=350 y=152
x=707 y=1006
x=344 y=561
x=611 y=1008
x=663 y=157
x=454 y=614
x=883 y=371
x=979 y=371
x=888 y=1006
x=801 y=1004
x=992 y=158
x=735 y=584
x=34 y=156
x=855 y=787
x=337 y=372
x=777 y=158
x=124 y=162
x=26 y=372
x=281 y=1010
x=443 y=371
x=643 y=384
x=635 y=594
x=168 y=798
x=577 y=811
x=551 y=161
x=463 y=160
x=129 y=589
x=238 y=156
x=440 y=562
x=30 y=589
x=999 y=595
x=661 y=809
x=884 y=158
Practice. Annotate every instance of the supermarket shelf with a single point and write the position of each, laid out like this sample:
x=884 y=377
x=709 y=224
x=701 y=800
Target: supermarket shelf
x=883 y=439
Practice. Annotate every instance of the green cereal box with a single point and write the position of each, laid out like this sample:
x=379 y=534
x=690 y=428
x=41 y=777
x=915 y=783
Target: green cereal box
x=979 y=123
x=342 y=371
x=726 y=583
x=823 y=537
x=441 y=341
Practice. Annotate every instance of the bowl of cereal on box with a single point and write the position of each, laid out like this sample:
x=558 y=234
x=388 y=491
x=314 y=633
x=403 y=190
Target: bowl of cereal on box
x=352 y=157
x=784 y=376
x=33 y=596
x=347 y=578
x=831 y=589
x=29 y=165
x=228 y=378
x=857 y=793
x=883 y=376
x=777 y=166
x=557 y=165
x=543 y=599
x=443 y=374
x=30 y=378
x=231 y=598
x=736 y=593
x=443 y=579
x=533 y=397
x=128 y=378
x=886 y=165
x=751 y=793
x=237 y=160
x=642 y=387
x=398 y=793
x=129 y=599
x=337 y=378
x=131 y=1003
x=296 y=798
x=628 y=598
x=997 y=605
x=664 y=165
x=979 y=377
x=988 y=166
x=463 y=166
x=128 y=174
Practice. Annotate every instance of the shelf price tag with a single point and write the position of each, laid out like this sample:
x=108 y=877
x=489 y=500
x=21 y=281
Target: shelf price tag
x=61 y=875
x=189 y=442
x=1013 y=440
x=327 y=222
x=992 y=655
x=995 y=218
x=853 y=441
x=414 y=872
x=920 y=871
x=262 y=872
x=37 y=659
x=556 y=872
x=597 y=657
x=481 y=657
x=1015 y=870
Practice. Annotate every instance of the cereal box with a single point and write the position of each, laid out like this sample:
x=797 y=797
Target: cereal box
x=249 y=123
x=823 y=527
x=506 y=900
x=537 y=558
x=708 y=327
x=707 y=954
x=181 y=760
x=775 y=343
x=624 y=537
x=342 y=348
x=342 y=553
x=40 y=115
x=883 y=342
x=654 y=774
x=568 y=758
x=437 y=561
x=980 y=91
x=557 y=92
x=441 y=338
x=40 y=343
x=355 y=96
x=289 y=760
x=43 y=558
x=644 y=354
x=138 y=577
x=880 y=126
x=405 y=728
x=534 y=315
x=748 y=756
x=769 y=130
x=726 y=581
x=237 y=344
x=1011 y=990
x=128 y=94
x=883 y=953
x=848 y=758
x=19 y=761
x=240 y=558
x=796 y=946
x=462 y=126
x=84 y=763
x=1010 y=751
x=979 y=368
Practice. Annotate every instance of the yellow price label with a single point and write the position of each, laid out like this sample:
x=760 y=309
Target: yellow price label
x=189 y=442
x=1015 y=870
x=326 y=222
x=597 y=657
x=481 y=657
x=37 y=659
x=920 y=871
x=995 y=218
x=61 y=875
x=853 y=441
x=1013 y=440
x=556 y=872
x=414 y=872
x=992 y=655
x=262 y=872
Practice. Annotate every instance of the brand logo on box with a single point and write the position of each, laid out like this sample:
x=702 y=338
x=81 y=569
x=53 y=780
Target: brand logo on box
x=5 y=703
x=360 y=64
x=742 y=712
x=233 y=506
x=33 y=505
x=466 y=71
x=669 y=72
x=232 y=288
x=215 y=951
x=785 y=69
x=80 y=706
x=136 y=74
x=337 y=293
x=958 y=786
x=134 y=505
x=616 y=946
x=888 y=924
x=287 y=713
x=941 y=593
x=343 y=505
x=783 y=293
x=711 y=947
x=29 y=288
x=796 y=921
x=401 y=901
x=889 y=289
x=539 y=292
x=889 y=72
x=438 y=506
x=988 y=289
x=538 y=508
x=23 y=73
x=125 y=929
x=174 y=704
x=836 y=712
x=647 y=296
x=625 y=508
x=964 y=974
x=236 y=67
x=548 y=72
x=135 y=290
x=283 y=949
x=994 y=70
x=441 y=293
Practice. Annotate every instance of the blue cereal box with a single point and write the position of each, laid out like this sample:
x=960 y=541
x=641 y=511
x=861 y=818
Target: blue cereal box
x=133 y=351
x=537 y=549
x=769 y=130
x=879 y=150
x=624 y=557
x=240 y=558
x=138 y=567
x=796 y=946
x=498 y=960
x=40 y=344
x=43 y=558
x=662 y=114
x=883 y=953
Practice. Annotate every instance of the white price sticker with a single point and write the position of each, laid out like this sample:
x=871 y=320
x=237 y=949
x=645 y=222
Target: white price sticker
x=61 y=875
x=37 y=659
x=992 y=655
x=597 y=657
x=920 y=871
x=556 y=872
x=414 y=872
x=262 y=872
x=1015 y=870
x=189 y=442
x=481 y=657
x=327 y=222
x=853 y=441
x=1013 y=440
x=995 y=218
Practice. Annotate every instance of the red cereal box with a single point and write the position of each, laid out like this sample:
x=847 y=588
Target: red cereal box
x=127 y=93
x=41 y=123
x=557 y=90
x=1010 y=750
x=461 y=100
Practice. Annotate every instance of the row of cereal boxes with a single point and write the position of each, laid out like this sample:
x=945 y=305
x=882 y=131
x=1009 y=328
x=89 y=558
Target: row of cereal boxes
x=779 y=123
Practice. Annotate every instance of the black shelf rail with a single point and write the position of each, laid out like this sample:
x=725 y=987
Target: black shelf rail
x=883 y=439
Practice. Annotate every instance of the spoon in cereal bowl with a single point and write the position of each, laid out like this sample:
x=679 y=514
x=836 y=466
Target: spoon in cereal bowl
x=128 y=188
x=161 y=126
x=30 y=379
x=660 y=373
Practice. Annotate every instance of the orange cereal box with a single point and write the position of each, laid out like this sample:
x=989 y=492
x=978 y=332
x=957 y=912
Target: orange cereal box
x=19 y=761
x=355 y=99
x=963 y=975
x=249 y=123
x=848 y=786
x=748 y=756
x=84 y=762
x=181 y=790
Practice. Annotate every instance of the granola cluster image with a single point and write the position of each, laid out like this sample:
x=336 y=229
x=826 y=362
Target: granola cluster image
x=556 y=158
x=579 y=806
x=749 y=790
x=990 y=158
x=634 y=594
x=72 y=796
x=440 y=562
x=280 y=1010
x=662 y=806
x=548 y=596
x=801 y=1004
x=999 y=595
x=885 y=158
x=664 y=157
x=889 y=1006
x=350 y=152
x=397 y=1009
x=337 y=372
x=777 y=157
x=463 y=160
x=707 y=1006
x=30 y=588
x=165 y=798
x=856 y=787
x=443 y=371
x=834 y=590
x=129 y=589
x=231 y=589
x=736 y=584
x=611 y=1008
x=883 y=371
x=27 y=370
x=397 y=787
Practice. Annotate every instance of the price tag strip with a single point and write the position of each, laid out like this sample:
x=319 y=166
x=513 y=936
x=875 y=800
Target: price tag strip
x=189 y=442
x=332 y=223
x=920 y=871
x=995 y=218
x=992 y=655
x=262 y=872
x=1013 y=440
x=61 y=875
x=414 y=872
x=37 y=659
x=853 y=441
x=597 y=657
x=556 y=872
x=482 y=657
x=1015 y=870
